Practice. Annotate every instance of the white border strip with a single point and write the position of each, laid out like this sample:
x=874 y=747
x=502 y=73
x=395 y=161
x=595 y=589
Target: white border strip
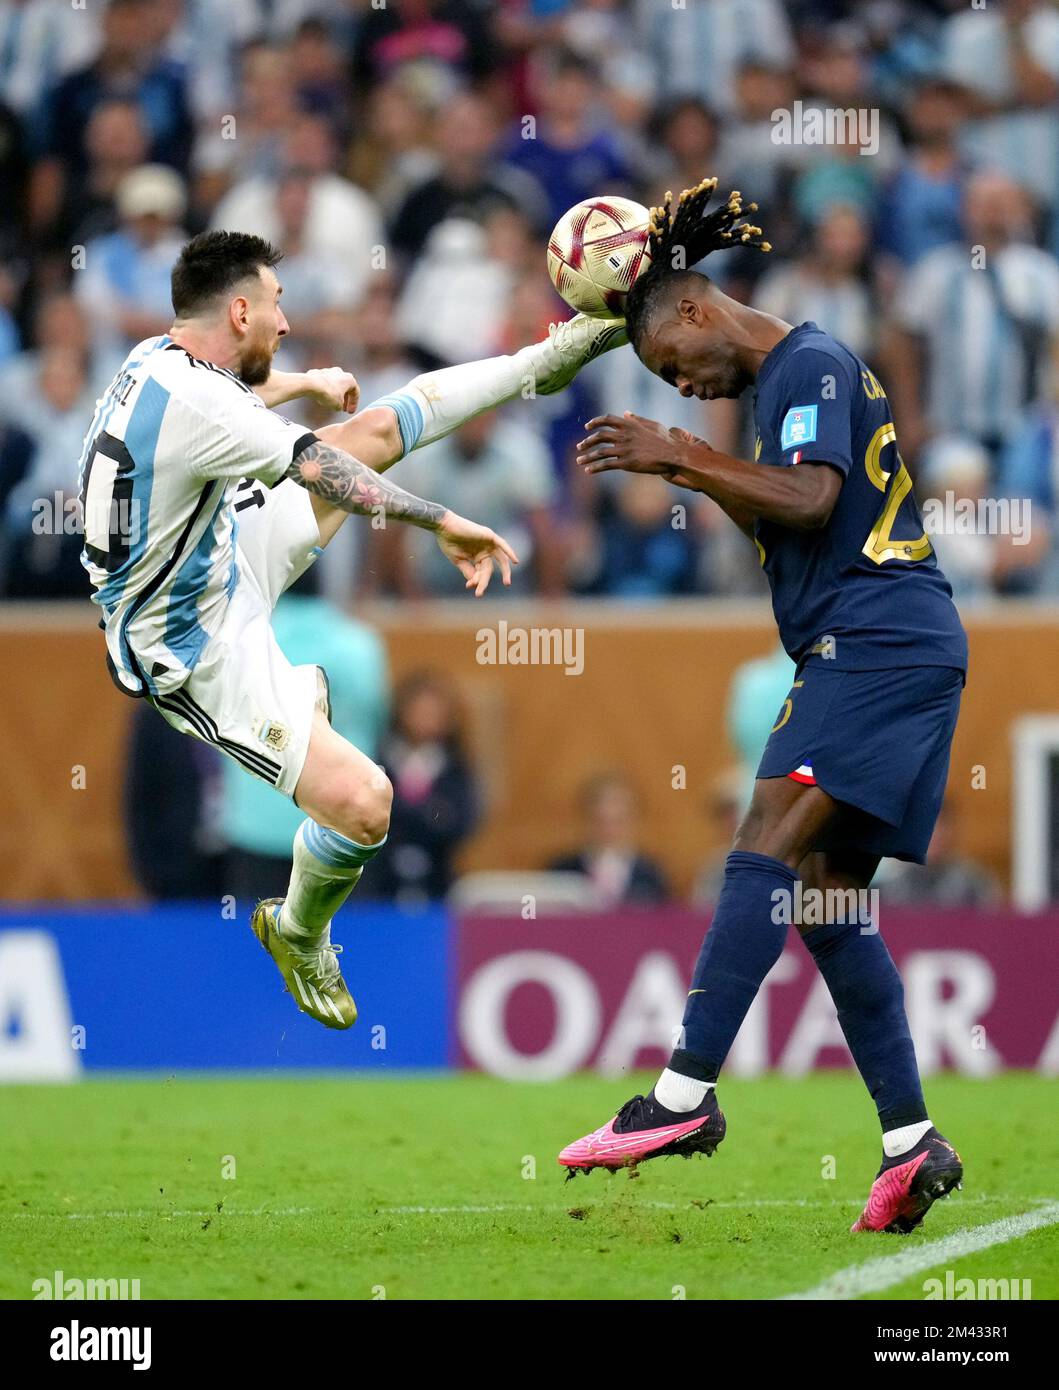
x=1033 y=739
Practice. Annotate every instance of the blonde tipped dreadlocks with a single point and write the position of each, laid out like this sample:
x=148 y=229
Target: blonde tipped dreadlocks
x=680 y=237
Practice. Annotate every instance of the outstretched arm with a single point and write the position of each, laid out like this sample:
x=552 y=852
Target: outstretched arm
x=801 y=497
x=328 y=386
x=343 y=482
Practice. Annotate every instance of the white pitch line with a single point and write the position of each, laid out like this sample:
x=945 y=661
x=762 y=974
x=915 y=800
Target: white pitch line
x=875 y=1275
x=688 y=1204
x=464 y=1209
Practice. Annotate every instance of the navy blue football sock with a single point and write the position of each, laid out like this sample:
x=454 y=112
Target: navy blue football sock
x=870 y=999
x=743 y=943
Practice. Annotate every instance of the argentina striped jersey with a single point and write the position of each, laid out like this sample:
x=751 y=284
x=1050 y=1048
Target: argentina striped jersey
x=159 y=477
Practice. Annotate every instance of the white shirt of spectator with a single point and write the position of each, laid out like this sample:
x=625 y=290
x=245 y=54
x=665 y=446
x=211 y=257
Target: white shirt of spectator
x=976 y=366
x=342 y=226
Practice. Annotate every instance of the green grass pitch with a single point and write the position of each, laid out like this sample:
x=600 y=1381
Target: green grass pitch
x=447 y=1187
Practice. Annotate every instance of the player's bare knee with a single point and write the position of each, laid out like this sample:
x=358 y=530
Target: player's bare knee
x=381 y=424
x=365 y=808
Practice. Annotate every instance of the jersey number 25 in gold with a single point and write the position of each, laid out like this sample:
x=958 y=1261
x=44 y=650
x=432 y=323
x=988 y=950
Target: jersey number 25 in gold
x=881 y=545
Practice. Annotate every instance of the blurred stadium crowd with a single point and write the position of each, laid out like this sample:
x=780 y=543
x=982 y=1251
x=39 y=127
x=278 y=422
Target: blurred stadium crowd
x=411 y=156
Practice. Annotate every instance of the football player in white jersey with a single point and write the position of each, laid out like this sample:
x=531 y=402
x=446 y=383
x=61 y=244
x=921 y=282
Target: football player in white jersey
x=201 y=506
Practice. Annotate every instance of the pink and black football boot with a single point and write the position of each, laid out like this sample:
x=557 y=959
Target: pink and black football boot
x=908 y=1186
x=644 y=1129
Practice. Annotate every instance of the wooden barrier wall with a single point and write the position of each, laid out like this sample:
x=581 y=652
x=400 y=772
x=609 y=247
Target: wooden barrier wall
x=652 y=695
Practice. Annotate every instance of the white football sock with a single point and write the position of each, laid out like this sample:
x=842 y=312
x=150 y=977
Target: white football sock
x=433 y=404
x=898 y=1141
x=680 y=1093
x=326 y=868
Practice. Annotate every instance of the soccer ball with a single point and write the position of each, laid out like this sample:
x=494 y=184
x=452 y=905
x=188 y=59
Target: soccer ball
x=596 y=251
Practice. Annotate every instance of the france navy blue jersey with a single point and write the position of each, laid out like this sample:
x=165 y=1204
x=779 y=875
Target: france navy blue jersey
x=865 y=591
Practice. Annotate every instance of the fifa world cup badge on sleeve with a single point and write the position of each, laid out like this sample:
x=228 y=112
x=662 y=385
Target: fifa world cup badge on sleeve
x=799 y=427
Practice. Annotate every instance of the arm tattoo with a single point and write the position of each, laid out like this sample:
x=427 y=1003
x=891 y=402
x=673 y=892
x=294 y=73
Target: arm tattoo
x=352 y=486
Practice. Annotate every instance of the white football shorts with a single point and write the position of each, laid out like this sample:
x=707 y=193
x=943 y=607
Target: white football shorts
x=244 y=696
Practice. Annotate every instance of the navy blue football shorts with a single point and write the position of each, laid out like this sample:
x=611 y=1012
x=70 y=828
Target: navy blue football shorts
x=876 y=741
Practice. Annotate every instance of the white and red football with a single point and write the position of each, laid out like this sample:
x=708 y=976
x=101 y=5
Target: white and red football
x=596 y=251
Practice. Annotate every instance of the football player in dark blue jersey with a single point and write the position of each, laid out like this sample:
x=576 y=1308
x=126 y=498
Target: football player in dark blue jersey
x=856 y=765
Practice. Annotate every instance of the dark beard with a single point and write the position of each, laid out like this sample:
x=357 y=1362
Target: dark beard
x=255 y=368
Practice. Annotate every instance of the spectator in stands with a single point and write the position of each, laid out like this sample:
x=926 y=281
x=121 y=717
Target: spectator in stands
x=1029 y=478
x=956 y=470
x=38 y=46
x=466 y=274
x=177 y=852
x=392 y=152
x=1006 y=59
x=248 y=145
x=609 y=855
x=766 y=167
x=604 y=33
x=319 y=299
x=500 y=471
x=451 y=33
x=9 y=334
x=59 y=321
x=383 y=363
x=685 y=132
x=920 y=205
x=559 y=419
x=40 y=538
x=317 y=70
x=971 y=328
x=468 y=183
x=116 y=143
x=342 y=222
x=649 y=543
x=568 y=152
x=947 y=879
x=130 y=65
x=435 y=802
x=258 y=823
x=203 y=38
x=728 y=801
x=125 y=283
x=14 y=178
x=755 y=703
x=827 y=283
x=1010 y=59
x=840 y=174
x=16 y=460
x=698 y=49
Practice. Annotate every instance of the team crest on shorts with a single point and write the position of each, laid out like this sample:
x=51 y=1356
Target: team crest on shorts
x=275 y=735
